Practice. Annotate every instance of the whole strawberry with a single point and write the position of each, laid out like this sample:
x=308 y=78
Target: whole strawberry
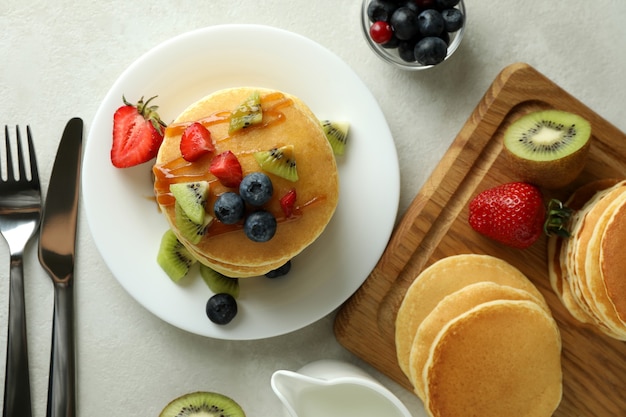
x=137 y=133
x=512 y=214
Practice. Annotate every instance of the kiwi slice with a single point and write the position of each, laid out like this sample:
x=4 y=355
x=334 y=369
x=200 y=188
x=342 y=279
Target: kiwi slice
x=192 y=197
x=246 y=114
x=219 y=283
x=337 y=134
x=173 y=257
x=203 y=404
x=189 y=229
x=279 y=161
x=548 y=148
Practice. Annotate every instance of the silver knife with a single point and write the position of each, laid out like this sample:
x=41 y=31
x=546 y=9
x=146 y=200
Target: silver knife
x=57 y=239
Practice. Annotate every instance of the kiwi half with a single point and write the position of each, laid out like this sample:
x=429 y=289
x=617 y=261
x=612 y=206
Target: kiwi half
x=203 y=404
x=548 y=148
x=337 y=135
x=279 y=161
x=173 y=257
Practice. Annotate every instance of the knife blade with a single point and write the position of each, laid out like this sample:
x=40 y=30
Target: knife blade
x=57 y=241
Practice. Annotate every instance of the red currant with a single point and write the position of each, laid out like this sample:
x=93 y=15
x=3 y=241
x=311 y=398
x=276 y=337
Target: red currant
x=381 y=32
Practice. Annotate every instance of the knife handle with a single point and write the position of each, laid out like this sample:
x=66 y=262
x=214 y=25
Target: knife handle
x=62 y=379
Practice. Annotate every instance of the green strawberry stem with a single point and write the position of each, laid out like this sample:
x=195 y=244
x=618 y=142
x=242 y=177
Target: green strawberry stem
x=557 y=219
x=148 y=112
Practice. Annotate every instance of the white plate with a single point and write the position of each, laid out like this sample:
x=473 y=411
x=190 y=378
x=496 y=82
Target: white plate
x=127 y=227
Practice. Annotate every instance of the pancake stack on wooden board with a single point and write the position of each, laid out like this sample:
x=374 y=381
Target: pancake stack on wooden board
x=587 y=269
x=476 y=337
x=287 y=121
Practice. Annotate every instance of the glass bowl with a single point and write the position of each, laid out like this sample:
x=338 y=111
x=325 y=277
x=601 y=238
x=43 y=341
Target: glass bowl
x=391 y=56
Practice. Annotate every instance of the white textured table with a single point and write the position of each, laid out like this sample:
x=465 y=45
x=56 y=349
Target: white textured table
x=60 y=58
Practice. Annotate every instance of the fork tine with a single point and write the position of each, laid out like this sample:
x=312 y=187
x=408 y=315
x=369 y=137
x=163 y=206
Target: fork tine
x=7 y=155
x=34 y=173
x=20 y=157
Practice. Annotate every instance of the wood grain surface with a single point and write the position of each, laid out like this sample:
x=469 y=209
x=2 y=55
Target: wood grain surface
x=435 y=226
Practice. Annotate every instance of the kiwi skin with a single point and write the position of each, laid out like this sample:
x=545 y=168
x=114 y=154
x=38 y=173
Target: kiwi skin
x=550 y=174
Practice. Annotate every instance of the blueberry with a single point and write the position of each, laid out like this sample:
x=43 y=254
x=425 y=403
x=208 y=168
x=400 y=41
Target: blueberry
x=404 y=22
x=280 y=271
x=221 y=308
x=430 y=51
x=452 y=19
x=430 y=23
x=229 y=208
x=256 y=189
x=381 y=10
x=260 y=226
x=406 y=50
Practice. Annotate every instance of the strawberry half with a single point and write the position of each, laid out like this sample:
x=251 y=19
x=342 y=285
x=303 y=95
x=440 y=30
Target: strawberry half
x=512 y=214
x=196 y=142
x=227 y=169
x=137 y=133
x=288 y=202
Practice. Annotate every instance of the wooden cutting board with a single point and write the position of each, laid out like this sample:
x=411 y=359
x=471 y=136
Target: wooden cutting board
x=435 y=226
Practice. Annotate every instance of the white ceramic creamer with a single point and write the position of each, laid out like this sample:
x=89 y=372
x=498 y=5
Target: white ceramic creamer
x=331 y=388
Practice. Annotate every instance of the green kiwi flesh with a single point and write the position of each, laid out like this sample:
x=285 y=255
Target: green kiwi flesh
x=246 y=114
x=548 y=148
x=189 y=229
x=192 y=198
x=337 y=135
x=219 y=283
x=279 y=161
x=173 y=257
x=203 y=404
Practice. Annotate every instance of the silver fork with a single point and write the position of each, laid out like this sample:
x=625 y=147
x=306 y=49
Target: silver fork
x=20 y=213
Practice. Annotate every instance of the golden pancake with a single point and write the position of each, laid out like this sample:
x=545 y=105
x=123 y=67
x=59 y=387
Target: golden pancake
x=443 y=278
x=501 y=358
x=449 y=308
x=286 y=121
x=613 y=261
x=575 y=252
x=574 y=263
x=558 y=250
x=594 y=277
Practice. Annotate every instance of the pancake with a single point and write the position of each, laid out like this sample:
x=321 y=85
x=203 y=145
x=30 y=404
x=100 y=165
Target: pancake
x=557 y=268
x=449 y=308
x=574 y=263
x=286 y=121
x=594 y=277
x=613 y=262
x=501 y=358
x=443 y=278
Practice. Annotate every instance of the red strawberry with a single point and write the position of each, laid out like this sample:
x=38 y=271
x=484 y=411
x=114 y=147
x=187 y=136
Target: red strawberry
x=196 y=142
x=227 y=169
x=287 y=202
x=137 y=134
x=512 y=214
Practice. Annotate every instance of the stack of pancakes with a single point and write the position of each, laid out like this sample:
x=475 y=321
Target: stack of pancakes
x=476 y=338
x=587 y=269
x=287 y=121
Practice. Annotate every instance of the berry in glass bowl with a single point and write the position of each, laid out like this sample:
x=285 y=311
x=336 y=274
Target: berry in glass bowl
x=414 y=34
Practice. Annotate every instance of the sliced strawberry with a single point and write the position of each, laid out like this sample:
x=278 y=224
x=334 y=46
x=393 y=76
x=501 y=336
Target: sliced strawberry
x=227 y=169
x=288 y=202
x=196 y=142
x=137 y=134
